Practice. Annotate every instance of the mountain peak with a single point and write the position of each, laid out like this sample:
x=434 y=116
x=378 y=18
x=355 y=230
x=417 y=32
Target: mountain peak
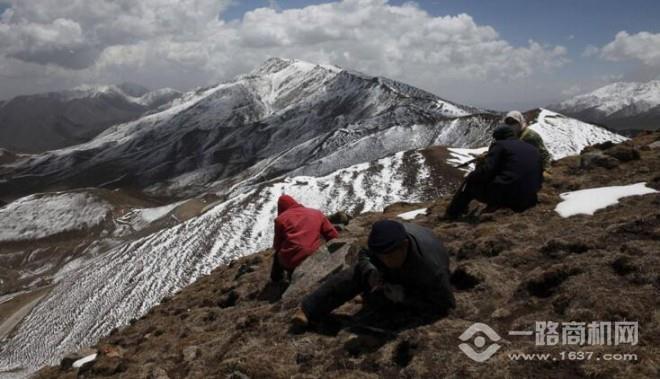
x=277 y=64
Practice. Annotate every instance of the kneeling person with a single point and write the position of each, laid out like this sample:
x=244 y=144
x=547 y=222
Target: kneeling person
x=406 y=263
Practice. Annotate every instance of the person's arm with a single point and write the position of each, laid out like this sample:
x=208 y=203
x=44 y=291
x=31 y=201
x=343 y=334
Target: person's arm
x=535 y=139
x=327 y=230
x=487 y=169
x=365 y=268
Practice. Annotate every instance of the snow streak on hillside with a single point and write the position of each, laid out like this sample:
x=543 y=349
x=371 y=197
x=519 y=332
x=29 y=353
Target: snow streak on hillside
x=106 y=291
x=564 y=136
x=40 y=216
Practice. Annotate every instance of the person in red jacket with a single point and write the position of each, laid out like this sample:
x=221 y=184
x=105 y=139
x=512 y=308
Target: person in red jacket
x=298 y=232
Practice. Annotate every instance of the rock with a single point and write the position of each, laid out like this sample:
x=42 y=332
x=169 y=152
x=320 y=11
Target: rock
x=190 y=353
x=327 y=260
x=354 y=229
x=597 y=147
x=624 y=153
x=68 y=359
x=654 y=145
x=596 y=159
x=340 y=218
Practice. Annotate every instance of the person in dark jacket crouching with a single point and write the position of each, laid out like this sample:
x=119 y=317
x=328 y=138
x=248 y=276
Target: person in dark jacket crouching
x=510 y=176
x=405 y=264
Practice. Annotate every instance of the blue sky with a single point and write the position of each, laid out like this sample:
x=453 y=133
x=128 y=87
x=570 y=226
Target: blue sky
x=484 y=59
x=574 y=24
x=589 y=21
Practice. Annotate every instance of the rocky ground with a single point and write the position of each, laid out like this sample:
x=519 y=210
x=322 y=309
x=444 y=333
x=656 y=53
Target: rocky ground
x=509 y=270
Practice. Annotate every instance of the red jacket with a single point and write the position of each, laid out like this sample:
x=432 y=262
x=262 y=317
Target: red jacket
x=298 y=232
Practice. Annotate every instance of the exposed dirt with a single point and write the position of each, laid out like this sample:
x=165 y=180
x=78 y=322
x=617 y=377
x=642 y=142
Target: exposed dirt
x=509 y=271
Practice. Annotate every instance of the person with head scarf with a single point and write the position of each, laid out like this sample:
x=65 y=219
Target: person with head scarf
x=516 y=120
x=298 y=233
x=405 y=265
x=510 y=176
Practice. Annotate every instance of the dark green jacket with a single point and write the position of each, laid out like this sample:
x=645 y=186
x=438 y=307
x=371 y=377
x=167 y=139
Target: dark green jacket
x=534 y=139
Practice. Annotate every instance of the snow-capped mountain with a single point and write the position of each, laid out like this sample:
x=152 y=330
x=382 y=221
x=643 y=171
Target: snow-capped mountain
x=286 y=117
x=332 y=138
x=623 y=105
x=66 y=118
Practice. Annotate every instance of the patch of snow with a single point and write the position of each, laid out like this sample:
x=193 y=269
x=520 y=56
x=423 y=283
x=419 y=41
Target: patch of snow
x=139 y=218
x=460 y=156
x=564 y=136
x=80 y=362
x=43 y=215
x=590 y=200
x=412 y=214
x=153 y=214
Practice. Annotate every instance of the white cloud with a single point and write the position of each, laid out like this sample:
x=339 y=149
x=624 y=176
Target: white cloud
x=184 y=43
x=643 y=47
x=590 y=51
x=572 y=91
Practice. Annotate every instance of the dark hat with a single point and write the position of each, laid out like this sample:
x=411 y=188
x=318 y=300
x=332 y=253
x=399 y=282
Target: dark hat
x=386 y=235
x=503 y=132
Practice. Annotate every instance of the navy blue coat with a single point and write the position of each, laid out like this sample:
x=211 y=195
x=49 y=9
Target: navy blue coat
x=511 y=175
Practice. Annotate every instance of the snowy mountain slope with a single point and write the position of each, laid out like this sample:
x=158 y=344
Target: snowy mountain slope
x=269 y=114
x=285 y=117
x=108 y=290
x=37 y=123
x=564 y=136
x=618 y=105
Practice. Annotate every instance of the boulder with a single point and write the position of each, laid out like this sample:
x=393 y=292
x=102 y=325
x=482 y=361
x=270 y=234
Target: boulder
x=654 y=145
x=596 y=159
x=339 y=218
x=327 y=260
x=624 y=153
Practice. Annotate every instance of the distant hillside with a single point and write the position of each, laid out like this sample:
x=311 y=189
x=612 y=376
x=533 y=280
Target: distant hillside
x=37 y=123
x=620 y=106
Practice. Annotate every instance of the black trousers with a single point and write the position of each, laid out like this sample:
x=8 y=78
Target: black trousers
x=473 y=188
x=277 y=272
x=339 y=289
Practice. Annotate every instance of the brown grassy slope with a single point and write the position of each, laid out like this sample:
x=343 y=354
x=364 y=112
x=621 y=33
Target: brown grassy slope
x=509 y=270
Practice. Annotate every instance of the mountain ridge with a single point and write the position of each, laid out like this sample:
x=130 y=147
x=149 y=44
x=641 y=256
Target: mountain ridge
x=621 y=105
x=70 y=117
